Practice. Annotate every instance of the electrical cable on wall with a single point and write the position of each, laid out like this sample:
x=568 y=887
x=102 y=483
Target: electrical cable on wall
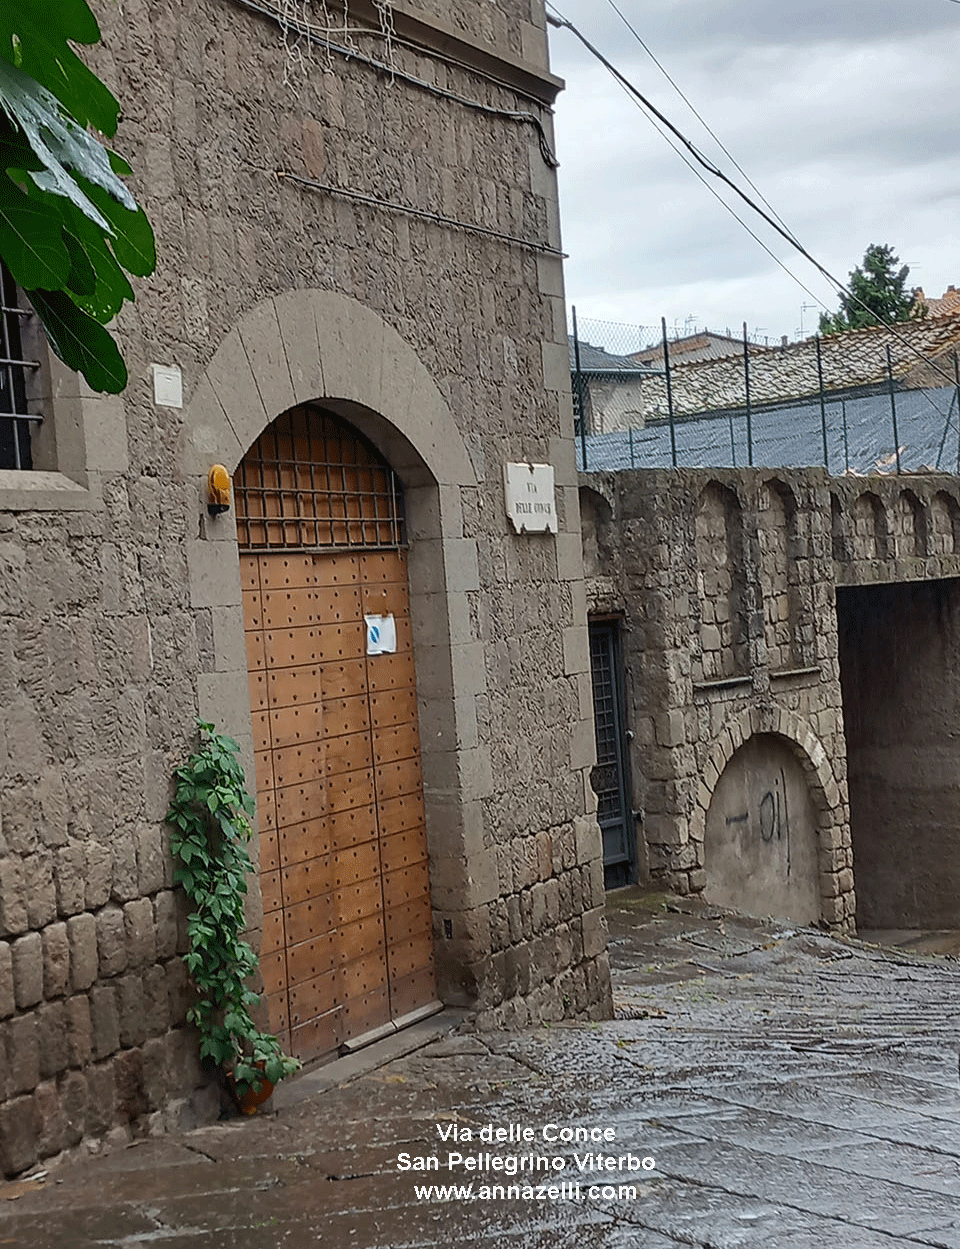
x=289 y=23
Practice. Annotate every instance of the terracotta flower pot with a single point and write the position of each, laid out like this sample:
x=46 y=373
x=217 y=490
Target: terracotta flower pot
x=253 y=1096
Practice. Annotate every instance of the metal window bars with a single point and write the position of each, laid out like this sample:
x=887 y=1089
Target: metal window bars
x=310 y=481
x=15 y=416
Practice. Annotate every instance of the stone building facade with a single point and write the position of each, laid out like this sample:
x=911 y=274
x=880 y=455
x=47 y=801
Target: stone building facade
x=789 y=645
x=370 y=241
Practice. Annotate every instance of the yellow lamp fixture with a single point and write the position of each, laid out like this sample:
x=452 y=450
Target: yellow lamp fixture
x=218 y=490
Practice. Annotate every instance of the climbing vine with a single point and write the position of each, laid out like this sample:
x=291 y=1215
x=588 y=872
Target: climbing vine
x=210 y=818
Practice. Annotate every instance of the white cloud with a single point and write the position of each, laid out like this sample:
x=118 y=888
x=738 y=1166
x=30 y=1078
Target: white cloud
x=844 y=115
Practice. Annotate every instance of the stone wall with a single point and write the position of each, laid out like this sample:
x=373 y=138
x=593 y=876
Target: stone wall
x=725 y=581
x=788 y=638
x=120 y=598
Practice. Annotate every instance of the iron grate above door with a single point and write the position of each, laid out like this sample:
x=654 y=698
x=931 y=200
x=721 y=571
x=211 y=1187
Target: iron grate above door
x=311 y=481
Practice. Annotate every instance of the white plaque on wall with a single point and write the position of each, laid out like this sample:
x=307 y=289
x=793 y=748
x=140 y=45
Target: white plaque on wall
x=167 y=386
x=531 y=507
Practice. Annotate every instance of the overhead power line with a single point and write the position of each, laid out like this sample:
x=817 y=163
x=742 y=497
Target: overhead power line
x=561 y=22
x=699 y=116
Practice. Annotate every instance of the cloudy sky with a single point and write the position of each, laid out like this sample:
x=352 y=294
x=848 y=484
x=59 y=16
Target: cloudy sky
x=845 y=113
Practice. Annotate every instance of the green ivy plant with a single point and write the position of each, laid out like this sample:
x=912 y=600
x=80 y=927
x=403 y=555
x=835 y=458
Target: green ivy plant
x=210 y=818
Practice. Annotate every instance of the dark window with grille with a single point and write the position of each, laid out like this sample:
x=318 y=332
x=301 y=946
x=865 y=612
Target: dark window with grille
x=15 y=372
x=611 y=777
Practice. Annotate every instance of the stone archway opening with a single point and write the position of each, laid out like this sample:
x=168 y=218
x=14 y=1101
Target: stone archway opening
x=761 y=849
x=899 y=648
x=347 y=946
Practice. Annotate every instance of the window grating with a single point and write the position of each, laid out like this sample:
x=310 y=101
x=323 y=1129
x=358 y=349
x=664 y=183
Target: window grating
x=311 y=481
x=14 y=414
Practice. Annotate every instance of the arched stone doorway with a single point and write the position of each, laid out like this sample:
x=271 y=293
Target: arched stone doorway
x=761 y=849
x=347 y=932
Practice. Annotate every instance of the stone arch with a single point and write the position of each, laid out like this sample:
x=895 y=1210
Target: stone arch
x=871 y=531
x=809 y=751
x=721 y=583
x=944 y=536
x=778 y=542
x=912 y=516
x=313 y=345
x=596 y=516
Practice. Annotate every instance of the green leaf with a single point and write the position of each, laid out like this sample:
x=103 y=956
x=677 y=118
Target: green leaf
x=79 y=341
x=34 y=37
x=31 y=240
x=60 y=143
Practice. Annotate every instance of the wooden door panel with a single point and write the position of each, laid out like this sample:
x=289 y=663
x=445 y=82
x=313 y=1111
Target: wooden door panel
x=293 y=765
x=403 y=849
x=316 y=996
x=346 y=715
x=401 y=813
x=402 y=741
x=310 y=879
x=363 y=1014
x=263 y=771
x=336 y=570
x=260 y=722
x=405 y=884
x=346 y=753
x=310 y=958
x=363 y=976
x=256 y=659
x=409 y=955
x=397 y=674
x=273 y=933
x=269 y=853
x=394 y=780
x=318 y=1036
x=385 y=598
x=412 y=991
x=408 y=919
x=270 y=890
x=294 y=725
x=344 y=874
x=393 y=707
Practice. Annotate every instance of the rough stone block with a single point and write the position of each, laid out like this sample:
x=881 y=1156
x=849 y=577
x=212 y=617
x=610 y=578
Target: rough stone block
x=82 y=938
x=68 y=875
x=156 y=1003
x=104 y=1021
x=28 y=970
x=56 y=960
x=73 y=1103
x=13 y=906
x=165 y=919
x=138 y=927
x=150 y=862
x=41 y=893
x=19 y=1131
x=79 y=1030
x=23 y=1054
x=111 y=941
x=97 y=874
x=52 y=1039
x=101 y=1099
x=130 y=999
x=7 y=996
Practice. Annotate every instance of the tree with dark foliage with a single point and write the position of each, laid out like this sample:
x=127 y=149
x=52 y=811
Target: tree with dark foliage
x=877 y=294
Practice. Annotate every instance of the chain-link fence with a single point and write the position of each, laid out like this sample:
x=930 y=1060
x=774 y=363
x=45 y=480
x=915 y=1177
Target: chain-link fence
x=875 y=400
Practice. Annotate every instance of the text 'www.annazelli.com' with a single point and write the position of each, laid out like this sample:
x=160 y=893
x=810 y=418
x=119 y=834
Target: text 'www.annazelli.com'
x=572 y=1191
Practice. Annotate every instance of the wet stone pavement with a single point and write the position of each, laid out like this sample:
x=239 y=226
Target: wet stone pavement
x=794 y=1091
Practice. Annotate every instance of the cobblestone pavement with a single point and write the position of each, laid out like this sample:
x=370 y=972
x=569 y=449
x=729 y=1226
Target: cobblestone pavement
x=795 y=1091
